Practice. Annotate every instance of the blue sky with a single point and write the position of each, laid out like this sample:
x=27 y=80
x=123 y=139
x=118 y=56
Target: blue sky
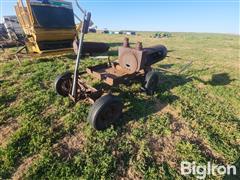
x=220 y=16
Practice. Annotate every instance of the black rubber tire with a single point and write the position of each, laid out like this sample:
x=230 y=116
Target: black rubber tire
x=105 y=112
x=90 y=47
x=151 y=82
x=63 y=84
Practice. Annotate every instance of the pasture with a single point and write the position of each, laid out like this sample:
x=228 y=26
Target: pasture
x=194 y=116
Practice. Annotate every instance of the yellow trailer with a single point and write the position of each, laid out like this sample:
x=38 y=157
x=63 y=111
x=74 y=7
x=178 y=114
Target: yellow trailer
x=48 y=25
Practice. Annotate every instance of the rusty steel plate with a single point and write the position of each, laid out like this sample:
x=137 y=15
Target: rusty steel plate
x=128 y=61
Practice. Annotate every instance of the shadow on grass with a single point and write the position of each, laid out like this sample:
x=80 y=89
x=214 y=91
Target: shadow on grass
x=168 y=82
x=70 y=56
x=44 y=59
x=113 y=53
x=234 y=176
x=2 y=81
x=8 y=99
x=139 y=107
x=220 y=79
x=166 y=66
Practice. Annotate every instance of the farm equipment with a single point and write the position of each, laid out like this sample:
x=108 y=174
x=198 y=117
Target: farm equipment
x=14 y=31
x=11 y=34
x=132 y=64
x=49 y=26
x=162 y=35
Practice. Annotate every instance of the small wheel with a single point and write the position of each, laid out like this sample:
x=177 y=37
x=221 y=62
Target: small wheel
x=151 y=82
x=63 y=84
x=105 y=112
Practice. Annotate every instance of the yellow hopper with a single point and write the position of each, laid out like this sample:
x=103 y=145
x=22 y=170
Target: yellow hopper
x=48 y=25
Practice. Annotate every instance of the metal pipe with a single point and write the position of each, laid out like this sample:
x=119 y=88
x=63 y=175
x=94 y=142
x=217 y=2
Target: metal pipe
x=155 y=54
x=74 y=88
x=83 y=11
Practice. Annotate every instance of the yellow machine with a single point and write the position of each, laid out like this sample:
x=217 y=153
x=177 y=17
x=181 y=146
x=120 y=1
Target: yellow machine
x=48 y=25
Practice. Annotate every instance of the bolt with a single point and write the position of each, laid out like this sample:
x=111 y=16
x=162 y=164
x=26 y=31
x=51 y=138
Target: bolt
x=139 y=46
x=126 y=42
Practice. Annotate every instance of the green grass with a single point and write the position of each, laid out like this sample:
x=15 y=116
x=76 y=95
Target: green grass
x=204 y=101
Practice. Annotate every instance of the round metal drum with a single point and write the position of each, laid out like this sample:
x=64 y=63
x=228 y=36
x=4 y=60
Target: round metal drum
x=128 y=61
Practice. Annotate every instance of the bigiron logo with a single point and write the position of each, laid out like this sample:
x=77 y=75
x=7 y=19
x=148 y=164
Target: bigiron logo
x=201 y=171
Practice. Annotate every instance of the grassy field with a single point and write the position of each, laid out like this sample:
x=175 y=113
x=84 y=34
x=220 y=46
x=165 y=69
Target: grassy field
x=193 y=116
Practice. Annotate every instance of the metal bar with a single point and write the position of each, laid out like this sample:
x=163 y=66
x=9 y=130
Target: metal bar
x=77 y=17
x=74 y=89
x=30 y=13
x=19 y=62
x=100 y=57
x=185 y=67
x=83 y=11
x=79 y=7
x=162 y=69
x=18 y=51
x=1 y=46
x=174 y=72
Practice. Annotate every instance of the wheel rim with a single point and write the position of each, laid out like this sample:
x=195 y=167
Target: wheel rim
x=151 y=80
x=66 y=86
x=63 y=84
x=152 y=84
x=108 y=115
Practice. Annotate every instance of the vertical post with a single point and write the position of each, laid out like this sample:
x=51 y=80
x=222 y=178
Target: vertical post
x=75 y=78
x=126 y=42
x=139 y=46
x=19 y=62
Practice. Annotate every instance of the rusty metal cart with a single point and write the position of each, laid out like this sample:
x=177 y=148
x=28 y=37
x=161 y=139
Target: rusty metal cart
x=131 y=63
